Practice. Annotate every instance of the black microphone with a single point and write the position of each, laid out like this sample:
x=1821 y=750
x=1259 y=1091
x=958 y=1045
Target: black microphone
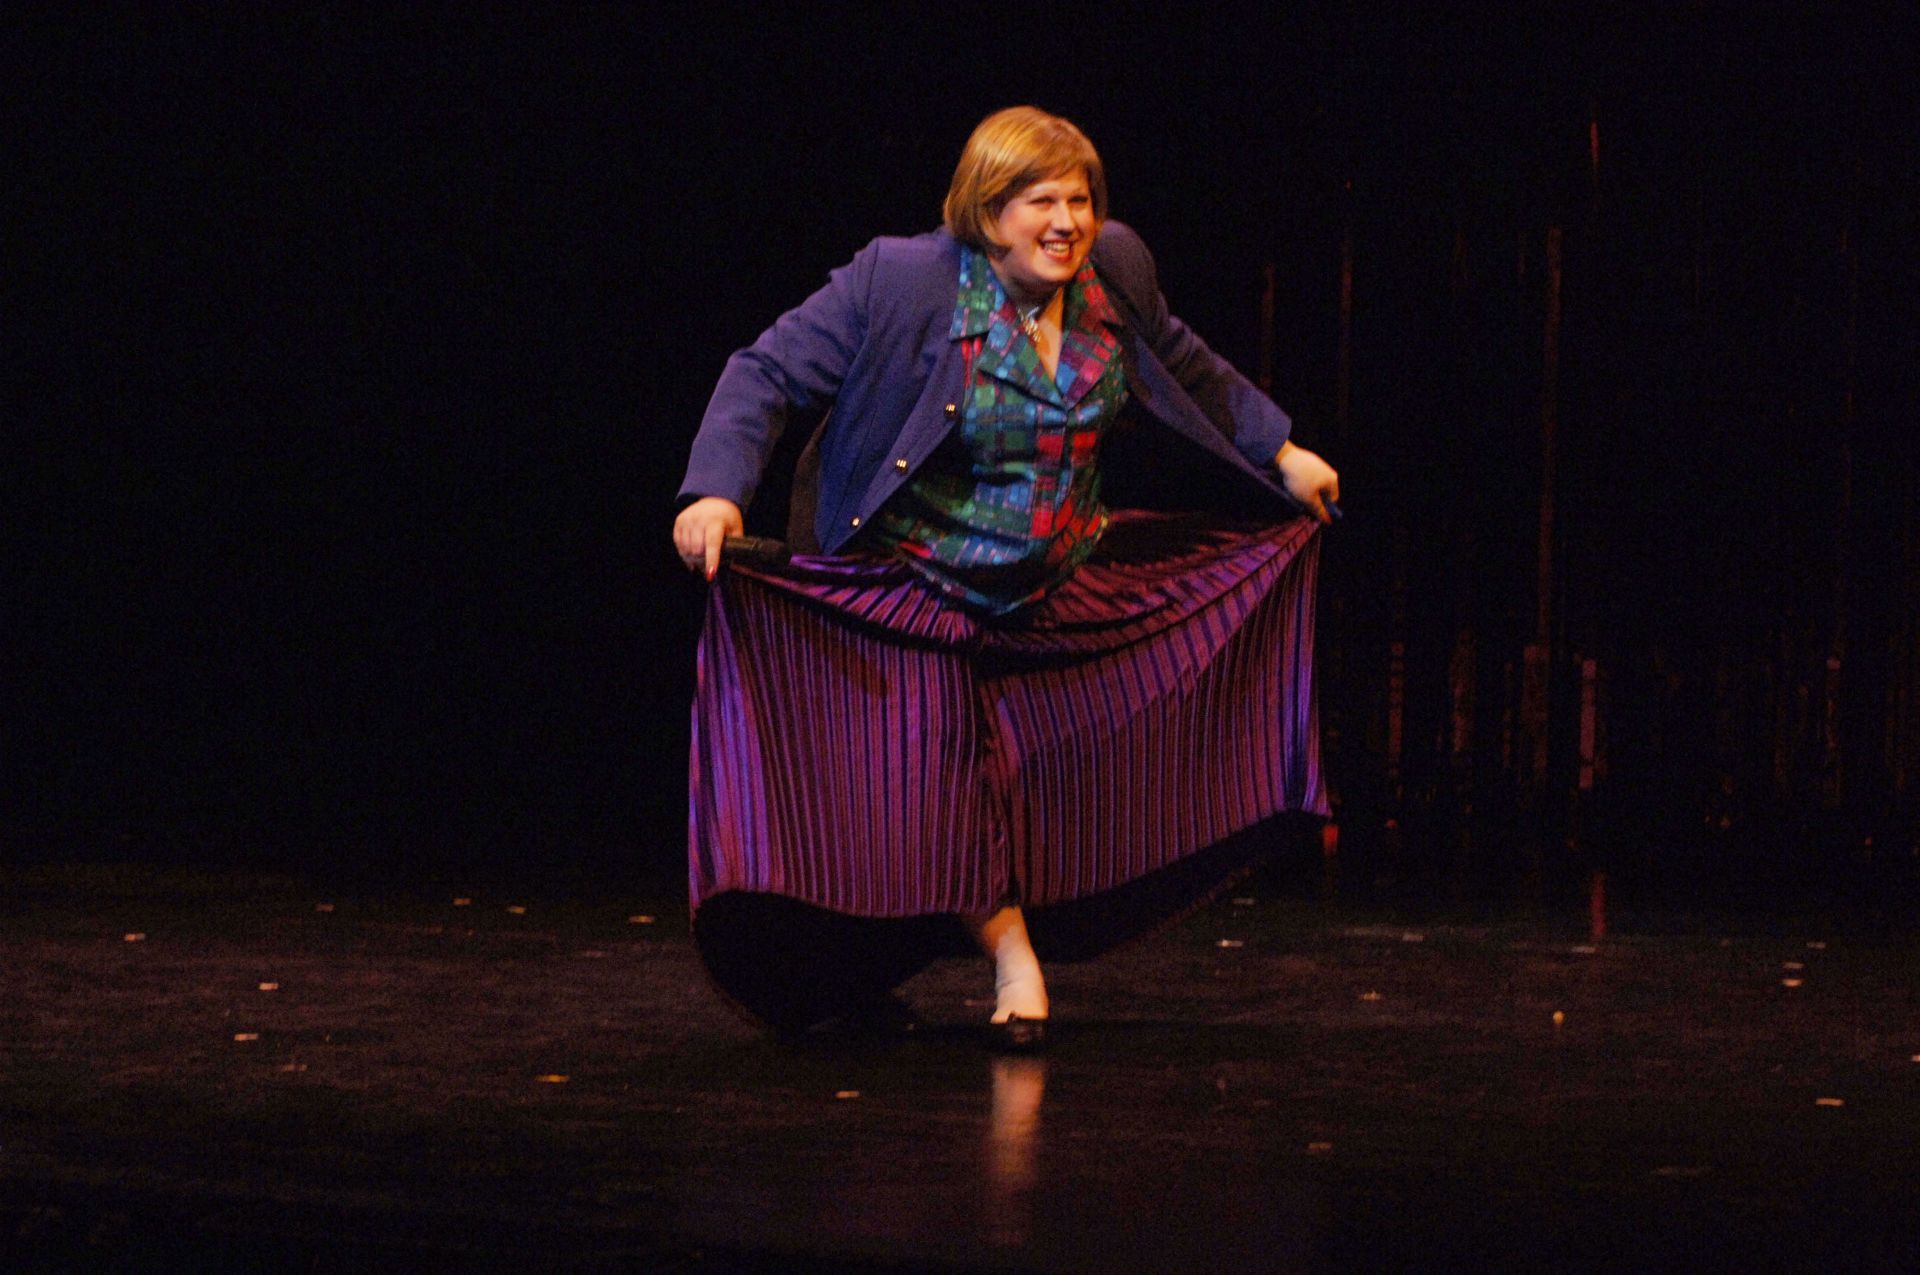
x=758 y=551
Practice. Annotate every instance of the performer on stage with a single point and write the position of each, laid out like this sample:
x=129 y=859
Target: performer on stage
x=976 y=690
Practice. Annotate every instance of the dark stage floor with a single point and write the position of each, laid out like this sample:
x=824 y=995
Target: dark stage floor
x=198 y=1068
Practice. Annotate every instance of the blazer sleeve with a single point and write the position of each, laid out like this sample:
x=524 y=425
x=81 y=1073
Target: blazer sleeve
x=1237 y=408
x=798 y=364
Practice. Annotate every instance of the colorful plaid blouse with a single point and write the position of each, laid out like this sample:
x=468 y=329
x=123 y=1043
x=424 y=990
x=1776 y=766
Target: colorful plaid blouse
x=1009 y=505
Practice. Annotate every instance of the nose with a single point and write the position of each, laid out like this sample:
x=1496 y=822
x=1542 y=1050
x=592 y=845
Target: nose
x=1062 y=219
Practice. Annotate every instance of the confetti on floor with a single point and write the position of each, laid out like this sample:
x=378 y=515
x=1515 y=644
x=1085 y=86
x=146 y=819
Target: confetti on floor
x=269 y=987
x=1369 y=996
x=136 y=938
x=1231 y=943
x=246 y=1036
x=463 y=903
x=639 y=920
x=553 y=1079
x=517 y=910
x=1792 y=982
x=1829 y=1102
x=323 y=907
x=844 y=1094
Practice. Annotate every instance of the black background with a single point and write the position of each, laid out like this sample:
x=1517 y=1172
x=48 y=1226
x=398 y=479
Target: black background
x=356 y=357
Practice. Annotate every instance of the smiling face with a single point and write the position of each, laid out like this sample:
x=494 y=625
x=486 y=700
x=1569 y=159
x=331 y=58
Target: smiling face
x=1046 y=231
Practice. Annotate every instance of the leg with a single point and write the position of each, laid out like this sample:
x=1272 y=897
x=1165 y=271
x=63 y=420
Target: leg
x=1018 y=988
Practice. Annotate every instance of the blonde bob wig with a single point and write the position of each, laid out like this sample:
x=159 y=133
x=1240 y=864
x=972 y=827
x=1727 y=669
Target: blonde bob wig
x=1009 y=151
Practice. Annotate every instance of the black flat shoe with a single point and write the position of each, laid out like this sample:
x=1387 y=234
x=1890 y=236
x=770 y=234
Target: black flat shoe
x=1018 y=1035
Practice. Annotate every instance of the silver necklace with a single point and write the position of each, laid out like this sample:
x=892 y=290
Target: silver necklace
x=1030 y=319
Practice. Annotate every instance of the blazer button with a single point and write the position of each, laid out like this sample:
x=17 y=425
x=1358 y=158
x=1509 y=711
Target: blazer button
x=953 y=409
x=856 y=522
x=901 y=464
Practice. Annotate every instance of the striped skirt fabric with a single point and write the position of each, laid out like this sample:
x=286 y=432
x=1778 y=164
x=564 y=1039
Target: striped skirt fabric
x=862 y=746
x=869 y=760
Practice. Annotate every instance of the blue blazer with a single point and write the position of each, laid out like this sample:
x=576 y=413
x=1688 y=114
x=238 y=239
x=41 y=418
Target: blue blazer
x=874 y=347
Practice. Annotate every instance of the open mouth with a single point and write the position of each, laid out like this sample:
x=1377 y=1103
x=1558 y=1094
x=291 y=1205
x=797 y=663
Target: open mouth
x=1058 y=249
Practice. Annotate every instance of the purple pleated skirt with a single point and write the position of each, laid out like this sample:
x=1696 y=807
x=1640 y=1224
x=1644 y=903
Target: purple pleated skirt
x=865 y=751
